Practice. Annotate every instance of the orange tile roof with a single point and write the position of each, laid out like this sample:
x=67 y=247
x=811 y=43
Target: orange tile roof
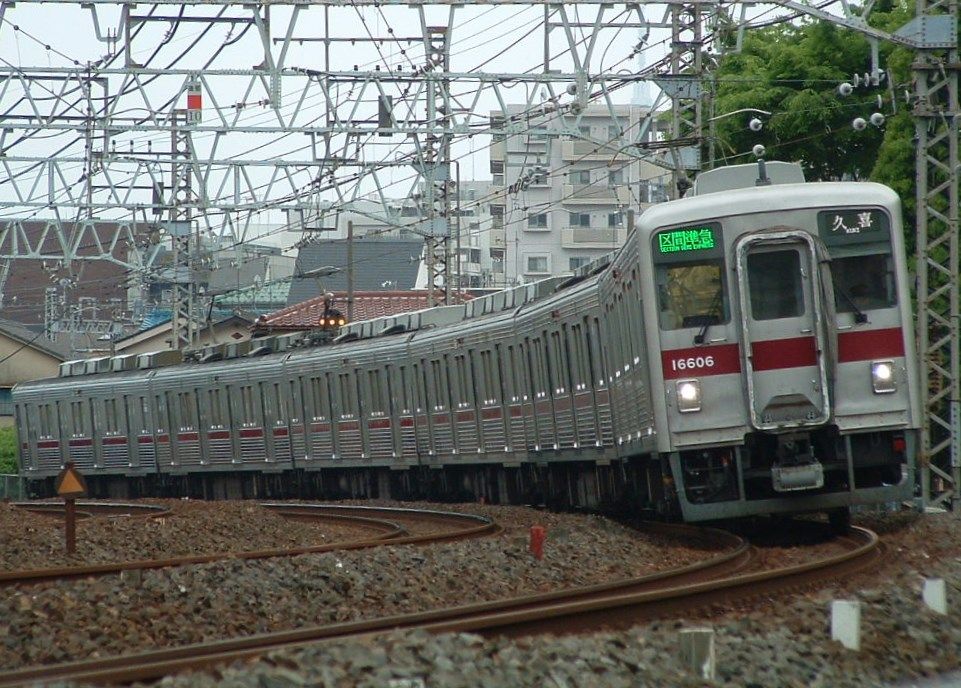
x=367 y=304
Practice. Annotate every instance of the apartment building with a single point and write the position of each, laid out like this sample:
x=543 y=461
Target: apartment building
x=565 y=186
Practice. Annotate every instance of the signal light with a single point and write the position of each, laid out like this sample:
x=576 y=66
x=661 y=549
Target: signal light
x=899 y=445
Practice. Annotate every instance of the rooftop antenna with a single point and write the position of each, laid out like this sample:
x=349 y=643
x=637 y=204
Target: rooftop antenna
x=762 y=178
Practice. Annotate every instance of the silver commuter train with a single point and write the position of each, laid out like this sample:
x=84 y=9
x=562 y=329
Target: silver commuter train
x=748 y=351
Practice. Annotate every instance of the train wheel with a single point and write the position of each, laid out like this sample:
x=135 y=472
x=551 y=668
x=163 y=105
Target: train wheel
x=840 y=520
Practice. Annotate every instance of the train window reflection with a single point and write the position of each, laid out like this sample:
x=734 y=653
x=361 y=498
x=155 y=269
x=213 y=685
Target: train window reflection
x=692 y=295
x=775 y=282
x=863 y=282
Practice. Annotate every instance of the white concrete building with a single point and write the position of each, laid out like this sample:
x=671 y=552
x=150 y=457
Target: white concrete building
x=566 y=187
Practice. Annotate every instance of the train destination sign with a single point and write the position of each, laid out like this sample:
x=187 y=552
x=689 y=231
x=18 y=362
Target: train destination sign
x=684 y=244
x=686 y=240
x=853 y=226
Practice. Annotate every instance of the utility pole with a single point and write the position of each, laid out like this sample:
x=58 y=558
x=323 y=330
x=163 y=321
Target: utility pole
x=350 y=271
x=937 y=118
x=435 y=166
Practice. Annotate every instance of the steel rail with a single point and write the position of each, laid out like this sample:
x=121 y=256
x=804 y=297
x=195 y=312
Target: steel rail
x=389 y=532
x=155 y=664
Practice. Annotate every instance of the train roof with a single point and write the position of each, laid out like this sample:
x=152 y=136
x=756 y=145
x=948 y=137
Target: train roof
x=764 y=198
x=412 y=322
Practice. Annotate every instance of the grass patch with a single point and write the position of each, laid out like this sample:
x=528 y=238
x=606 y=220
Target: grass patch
x=8 y=450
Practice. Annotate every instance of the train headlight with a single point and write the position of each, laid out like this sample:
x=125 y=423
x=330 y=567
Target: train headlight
x=882 y=377
x=688 y=396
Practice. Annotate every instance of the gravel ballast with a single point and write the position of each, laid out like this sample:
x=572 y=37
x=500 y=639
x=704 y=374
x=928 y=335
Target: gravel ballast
x=231 y=598
x=781 y=641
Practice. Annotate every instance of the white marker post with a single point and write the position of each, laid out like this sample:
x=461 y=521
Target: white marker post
x=935 y=595
x=697 y=652
x=846 y=623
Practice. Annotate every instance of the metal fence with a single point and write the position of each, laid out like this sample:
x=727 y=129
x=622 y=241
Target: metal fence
x=12 y=487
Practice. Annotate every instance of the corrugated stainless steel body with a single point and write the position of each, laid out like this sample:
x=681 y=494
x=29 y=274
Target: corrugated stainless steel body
x=583 y=373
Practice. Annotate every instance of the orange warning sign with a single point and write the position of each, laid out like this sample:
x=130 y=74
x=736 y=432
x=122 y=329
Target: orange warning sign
x=70 y=483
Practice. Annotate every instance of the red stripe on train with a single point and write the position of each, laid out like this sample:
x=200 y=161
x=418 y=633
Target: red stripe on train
x=280 y=432
x=378 y=424
x=219 y=435
x=80 y=443
x=251 y=433
x=115 y=440
x=491 y=413
x=776 y=354
x=188 y=436
x=48 y=444
x=465 y=416
x=145 y=439
x=865 y=345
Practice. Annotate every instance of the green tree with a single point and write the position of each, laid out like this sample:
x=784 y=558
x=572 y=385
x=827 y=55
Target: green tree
x=8 y=450
x=793 y=70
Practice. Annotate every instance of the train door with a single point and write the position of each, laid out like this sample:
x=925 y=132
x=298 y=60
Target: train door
x=276 y=435
x=164 y=426
x=215 y=426
x=26 y=421
x=422 y=418
x=320 y=437
x=782 y=326
x=298 y=445
x=141 y=432
x=404 y=404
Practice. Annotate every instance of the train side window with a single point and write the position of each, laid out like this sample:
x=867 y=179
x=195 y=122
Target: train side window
x=165 y=408
x=510 y=379
x=863 y=283
x=110 y=415
x=77 y=413
x=319 y=400
x=348 y=395
x=213 y=406
x=376 y=404
x=145 y=412
x=400 y=391
x=692 y=295
x=461 y=384
x=774 y=278
x=420 y=378
x=560 y=364
x=46 y=427
x=247 y=404
x=187 y=410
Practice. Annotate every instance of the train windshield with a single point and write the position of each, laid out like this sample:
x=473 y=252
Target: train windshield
x=863 y=282
x=692 y=295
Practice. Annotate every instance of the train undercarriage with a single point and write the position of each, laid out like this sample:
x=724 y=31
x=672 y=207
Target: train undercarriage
x=820 y=471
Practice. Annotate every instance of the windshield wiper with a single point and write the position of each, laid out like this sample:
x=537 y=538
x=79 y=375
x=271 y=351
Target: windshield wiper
x=859 y=315
x=712 y=312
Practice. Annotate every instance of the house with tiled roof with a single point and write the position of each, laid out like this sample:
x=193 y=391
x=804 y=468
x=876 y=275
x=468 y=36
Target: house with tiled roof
x=380 y=264
x=367 y=305
x=234 y=327
x=25 y=355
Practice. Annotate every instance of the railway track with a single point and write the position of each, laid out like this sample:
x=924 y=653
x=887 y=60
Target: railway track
x=382 y=522
x=718 y=580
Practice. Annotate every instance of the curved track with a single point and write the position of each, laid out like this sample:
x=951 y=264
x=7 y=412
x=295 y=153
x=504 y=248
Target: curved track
x=735 y=555
x=446 y=526
x=606 y=606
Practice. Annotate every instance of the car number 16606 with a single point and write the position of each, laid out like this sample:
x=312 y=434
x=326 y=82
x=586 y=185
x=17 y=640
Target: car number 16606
x=692 y=363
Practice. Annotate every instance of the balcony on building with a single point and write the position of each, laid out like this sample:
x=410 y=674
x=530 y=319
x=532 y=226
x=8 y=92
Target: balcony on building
x=593 y=237
x=577 y=150
x=597 y=193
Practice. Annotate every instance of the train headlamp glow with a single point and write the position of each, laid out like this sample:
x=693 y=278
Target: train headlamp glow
x=688 y=396
x=882 y=377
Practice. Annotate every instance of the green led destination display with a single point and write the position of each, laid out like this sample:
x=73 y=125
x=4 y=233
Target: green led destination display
x=686 y=240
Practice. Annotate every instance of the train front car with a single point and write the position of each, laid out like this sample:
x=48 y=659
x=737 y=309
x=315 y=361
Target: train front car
x=787 y=355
